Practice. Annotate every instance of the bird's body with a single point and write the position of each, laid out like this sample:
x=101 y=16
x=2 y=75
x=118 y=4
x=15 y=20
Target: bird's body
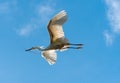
x=57 y=38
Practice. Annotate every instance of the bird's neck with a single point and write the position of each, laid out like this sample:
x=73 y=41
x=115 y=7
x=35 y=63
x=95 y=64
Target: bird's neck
x=39 y=48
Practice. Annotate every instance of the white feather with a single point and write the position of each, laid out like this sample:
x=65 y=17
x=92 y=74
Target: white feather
x=50 y=56
x=55 y=25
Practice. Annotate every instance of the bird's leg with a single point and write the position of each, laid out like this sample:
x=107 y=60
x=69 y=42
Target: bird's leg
x=75 y=44
x=74 y=47
x=78 y=46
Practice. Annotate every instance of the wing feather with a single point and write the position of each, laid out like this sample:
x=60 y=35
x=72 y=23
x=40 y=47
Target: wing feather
x=55 y=26
x=50 y=56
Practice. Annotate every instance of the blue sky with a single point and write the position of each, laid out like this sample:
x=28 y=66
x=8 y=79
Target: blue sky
x=95 y=23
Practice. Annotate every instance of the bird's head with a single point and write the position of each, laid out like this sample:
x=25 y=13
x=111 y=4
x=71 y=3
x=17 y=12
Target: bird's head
x=34 y=48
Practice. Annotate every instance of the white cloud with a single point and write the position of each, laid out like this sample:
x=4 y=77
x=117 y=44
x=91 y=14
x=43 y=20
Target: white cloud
x=113 y=14
x=7 y=7
x=44 y=11
x=4 y=7
x=109 y=38
x=26 y=30
x=43 y=14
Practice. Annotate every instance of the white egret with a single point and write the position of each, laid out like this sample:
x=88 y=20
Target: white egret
x=57 y=39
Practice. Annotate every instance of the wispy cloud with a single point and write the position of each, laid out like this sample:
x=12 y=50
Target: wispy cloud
x=7 y=7
x=4 y=7
x=43 y=13
x=26 y=30
x=113 y=14
x=108 y=37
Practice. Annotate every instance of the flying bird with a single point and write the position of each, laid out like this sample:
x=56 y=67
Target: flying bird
x=58 y=41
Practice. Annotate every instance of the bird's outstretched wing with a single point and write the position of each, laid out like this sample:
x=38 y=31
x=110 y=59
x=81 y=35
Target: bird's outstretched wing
x=55 y=26
x=50 y=56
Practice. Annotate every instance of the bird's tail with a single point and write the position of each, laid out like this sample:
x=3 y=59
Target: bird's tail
x=50 y=56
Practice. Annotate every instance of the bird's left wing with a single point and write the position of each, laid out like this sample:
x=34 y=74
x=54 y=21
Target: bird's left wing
x=50 y=56
x=55 y=25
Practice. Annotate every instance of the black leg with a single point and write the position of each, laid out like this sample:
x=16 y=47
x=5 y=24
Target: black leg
x=74 y=47
x=76 y=44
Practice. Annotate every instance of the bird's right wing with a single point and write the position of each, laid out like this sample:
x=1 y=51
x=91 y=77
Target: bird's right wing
x=50 y=56
x=55 y=26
